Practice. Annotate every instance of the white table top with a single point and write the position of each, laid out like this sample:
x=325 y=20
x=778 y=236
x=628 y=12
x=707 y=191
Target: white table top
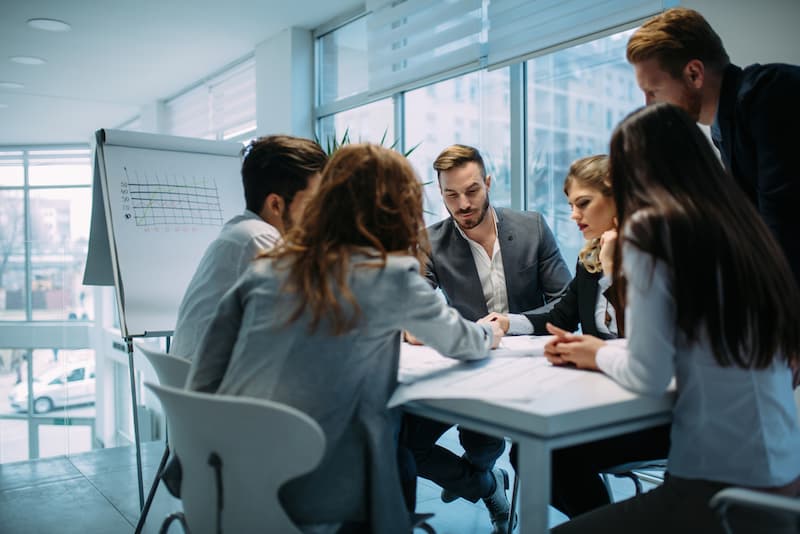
x=560 y=400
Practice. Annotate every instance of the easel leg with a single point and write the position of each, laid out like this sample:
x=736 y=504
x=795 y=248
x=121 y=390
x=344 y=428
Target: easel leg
x=136 y=438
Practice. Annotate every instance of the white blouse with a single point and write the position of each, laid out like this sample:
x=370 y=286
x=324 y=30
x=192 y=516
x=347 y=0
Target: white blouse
x=730 y=425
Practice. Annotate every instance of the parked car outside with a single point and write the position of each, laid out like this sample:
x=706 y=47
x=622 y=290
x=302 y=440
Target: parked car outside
x=61 y=385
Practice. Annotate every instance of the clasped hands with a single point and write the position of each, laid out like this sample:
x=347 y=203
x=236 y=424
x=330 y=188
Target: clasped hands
x=572 y=349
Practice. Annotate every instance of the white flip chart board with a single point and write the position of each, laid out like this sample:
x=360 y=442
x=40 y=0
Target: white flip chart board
x=158 y=201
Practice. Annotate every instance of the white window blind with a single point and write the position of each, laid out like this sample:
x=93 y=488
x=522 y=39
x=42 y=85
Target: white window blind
x=521 y=28
x=411 y=40
x=223 y=104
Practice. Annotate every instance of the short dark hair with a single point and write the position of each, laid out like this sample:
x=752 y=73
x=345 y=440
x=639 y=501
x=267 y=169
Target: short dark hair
x=279 y=164
x=674 y=38
x=456 y=156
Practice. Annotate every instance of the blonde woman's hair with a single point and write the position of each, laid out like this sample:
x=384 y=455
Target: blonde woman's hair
x=591 y=172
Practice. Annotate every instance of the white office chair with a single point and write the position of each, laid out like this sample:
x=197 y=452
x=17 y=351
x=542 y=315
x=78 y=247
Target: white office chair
x=649 y=471
x=779 y=506
x=235 y=453
x=171 y=371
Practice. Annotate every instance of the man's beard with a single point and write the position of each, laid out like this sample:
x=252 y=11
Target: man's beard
x=478 y=220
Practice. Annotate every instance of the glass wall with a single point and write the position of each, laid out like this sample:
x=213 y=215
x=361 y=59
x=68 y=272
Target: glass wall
x=570 y=99
x=471 y=110
x=47 y=376
x=575 y=97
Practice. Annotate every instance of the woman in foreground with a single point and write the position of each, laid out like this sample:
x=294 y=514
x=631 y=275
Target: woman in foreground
x=316 y=324
x=711 y=301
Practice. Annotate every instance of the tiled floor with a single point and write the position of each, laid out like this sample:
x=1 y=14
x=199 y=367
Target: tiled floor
x=95 y=492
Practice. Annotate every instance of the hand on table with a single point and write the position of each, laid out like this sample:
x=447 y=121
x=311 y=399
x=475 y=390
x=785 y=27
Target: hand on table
x=499 y=318
x=567 y=348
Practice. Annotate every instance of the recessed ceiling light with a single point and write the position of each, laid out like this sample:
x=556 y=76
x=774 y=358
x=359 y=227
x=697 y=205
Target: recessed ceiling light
x=50 y=25
x=11 y=85
x=28 y=60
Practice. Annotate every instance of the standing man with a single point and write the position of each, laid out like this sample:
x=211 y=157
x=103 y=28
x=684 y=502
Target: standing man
x=484 y=260
x=279 y=174
x=753 y=112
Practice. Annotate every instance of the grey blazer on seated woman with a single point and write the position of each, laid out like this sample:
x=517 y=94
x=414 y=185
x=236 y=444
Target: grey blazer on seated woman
x=343 y=382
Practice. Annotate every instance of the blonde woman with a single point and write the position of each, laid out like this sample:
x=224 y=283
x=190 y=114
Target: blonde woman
x=591 y=303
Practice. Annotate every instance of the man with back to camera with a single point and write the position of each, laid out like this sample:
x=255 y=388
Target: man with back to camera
x=279 y=174
x=678 y=58
x=484 y=259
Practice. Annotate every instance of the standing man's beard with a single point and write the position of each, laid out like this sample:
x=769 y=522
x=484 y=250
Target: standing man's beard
x=478 y=220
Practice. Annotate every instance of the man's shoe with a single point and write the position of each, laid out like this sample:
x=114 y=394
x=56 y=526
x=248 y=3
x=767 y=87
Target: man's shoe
x=449 y=496
x=497 y=503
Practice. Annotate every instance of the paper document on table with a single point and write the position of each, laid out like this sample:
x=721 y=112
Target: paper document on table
x=512 y=379
x=511 y=346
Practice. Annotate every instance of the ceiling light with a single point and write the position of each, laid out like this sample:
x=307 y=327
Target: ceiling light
x=11 y=85
x=50 y=25
x=28 y=60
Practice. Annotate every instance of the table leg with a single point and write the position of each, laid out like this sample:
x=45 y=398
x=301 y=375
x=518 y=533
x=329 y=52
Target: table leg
x=534 y=500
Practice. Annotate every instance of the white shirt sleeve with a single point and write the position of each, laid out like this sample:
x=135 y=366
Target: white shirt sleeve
x=646 y=363
x=519 y=325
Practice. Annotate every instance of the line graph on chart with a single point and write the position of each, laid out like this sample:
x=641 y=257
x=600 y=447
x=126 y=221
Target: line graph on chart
x=163 y=201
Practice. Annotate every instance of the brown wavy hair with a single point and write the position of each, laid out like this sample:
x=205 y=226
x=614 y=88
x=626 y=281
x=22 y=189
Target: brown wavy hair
x=676 y=203
x=591 y=172
x=369 y=202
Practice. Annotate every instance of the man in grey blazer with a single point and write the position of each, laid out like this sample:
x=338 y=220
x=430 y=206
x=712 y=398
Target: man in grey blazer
x=484 y=260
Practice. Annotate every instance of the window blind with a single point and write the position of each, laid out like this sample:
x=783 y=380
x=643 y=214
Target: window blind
x=519 y=29
x=410 y=40
x=218 y=105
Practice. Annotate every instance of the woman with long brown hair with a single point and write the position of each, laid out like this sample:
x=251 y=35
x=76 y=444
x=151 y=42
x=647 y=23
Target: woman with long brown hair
x=711 y=301
x=316 y=324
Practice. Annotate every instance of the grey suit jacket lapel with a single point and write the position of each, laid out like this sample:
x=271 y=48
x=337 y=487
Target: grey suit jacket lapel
x=510 y=252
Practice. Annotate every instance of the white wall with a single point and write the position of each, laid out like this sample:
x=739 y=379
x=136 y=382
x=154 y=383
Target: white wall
x=753 y=31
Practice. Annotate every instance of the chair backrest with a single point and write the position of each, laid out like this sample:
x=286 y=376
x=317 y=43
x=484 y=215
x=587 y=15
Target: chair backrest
x=171 y=370
x=260 y=445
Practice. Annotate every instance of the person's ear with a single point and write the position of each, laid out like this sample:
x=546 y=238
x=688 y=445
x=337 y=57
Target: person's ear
x=274 y=205
x=694 y=73
x=488 y=181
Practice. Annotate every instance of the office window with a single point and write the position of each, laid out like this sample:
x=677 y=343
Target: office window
x=370 y=123
x=13 y=291
x=442 y=114
x=59 y=243
x=342 y=62
x=579 y=79
x=44 y=227
x=223 y=107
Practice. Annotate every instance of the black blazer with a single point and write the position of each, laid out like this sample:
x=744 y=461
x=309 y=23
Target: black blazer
x=755 y=131
x=577 y=306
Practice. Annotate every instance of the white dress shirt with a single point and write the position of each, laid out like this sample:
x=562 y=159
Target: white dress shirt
x=604 y=307
x=731 y=425
x=493 y=280
x=225 y=259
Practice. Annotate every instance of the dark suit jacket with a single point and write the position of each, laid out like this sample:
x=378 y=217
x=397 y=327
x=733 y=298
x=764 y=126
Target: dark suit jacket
x=756 y=132
x=577 y=307
x=534 y=269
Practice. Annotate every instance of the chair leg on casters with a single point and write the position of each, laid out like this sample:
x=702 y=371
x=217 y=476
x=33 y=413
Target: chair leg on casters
x=152 y=493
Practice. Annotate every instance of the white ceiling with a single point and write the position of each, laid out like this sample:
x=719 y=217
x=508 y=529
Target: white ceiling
x=123 y=54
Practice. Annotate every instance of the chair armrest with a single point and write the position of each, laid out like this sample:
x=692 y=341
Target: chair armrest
x=754 y=499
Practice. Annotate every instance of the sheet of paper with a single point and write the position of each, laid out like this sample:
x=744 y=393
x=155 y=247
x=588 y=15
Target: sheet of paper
x=427 y=375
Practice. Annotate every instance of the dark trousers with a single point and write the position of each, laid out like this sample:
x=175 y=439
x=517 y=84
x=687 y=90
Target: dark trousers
x=469 y=476
x=678 y=506
x=576 y=485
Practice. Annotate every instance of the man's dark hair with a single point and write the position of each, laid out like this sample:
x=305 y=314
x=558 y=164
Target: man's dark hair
x=279 y=164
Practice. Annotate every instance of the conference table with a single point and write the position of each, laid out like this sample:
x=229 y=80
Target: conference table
x=516 y=393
